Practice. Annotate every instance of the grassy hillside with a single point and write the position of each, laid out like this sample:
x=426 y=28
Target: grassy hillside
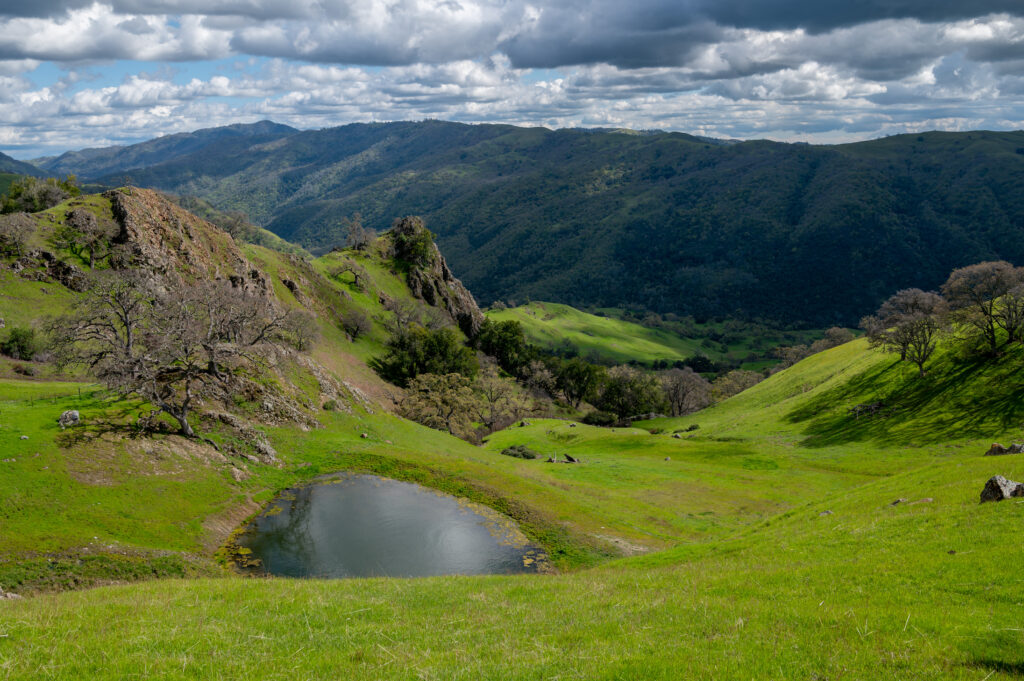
x=802 y=566
x=763 y=544
x=610 y=339
x=664 y=221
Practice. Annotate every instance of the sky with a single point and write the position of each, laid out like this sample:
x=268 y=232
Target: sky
x=78 y=73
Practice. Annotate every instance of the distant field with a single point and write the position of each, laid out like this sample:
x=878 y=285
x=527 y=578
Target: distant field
x=608 y=338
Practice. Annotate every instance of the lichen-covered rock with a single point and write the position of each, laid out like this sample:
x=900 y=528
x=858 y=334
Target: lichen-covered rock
x=999 y=488
x=69 y=418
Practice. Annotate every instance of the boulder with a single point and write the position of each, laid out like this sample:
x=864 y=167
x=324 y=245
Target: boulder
x=997 y=450
x=571 y=459
x=998 y=488
x=69 y=418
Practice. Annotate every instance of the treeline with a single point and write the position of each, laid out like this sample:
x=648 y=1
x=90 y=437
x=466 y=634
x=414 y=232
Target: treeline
x=980 y=307
x=497 y=378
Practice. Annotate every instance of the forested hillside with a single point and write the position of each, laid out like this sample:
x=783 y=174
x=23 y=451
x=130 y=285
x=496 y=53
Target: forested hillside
x=662 y=221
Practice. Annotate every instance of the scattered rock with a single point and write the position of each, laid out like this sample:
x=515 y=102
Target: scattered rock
x=551 y=459
x=69 y=418
x=523 y=424
x=996 y=450
x=692 y=427
x=677 y=436
x=825 y=513
x=24 y=437
x=899 y=501
x=363 y=435
x=4 y=595
x=926 y=500
x=951 y=552
x=238 y=475
x=570 y=459
x=668 y=458
x=998 y=488
x=572 y=425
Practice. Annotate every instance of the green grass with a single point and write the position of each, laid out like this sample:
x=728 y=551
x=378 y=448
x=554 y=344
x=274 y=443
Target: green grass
x=782 y=554
x=608 y=338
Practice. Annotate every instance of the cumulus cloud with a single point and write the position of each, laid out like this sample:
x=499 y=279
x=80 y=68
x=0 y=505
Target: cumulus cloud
x=790 y=69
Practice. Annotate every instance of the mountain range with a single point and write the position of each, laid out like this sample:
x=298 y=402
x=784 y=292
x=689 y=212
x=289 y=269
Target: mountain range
x=661 y=221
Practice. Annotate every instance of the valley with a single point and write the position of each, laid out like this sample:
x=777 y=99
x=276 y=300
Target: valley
x=784 y=531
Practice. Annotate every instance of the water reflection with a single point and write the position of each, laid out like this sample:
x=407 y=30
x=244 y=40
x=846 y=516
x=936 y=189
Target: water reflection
x=366 y=526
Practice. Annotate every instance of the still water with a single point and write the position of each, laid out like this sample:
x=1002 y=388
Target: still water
x=350 y=525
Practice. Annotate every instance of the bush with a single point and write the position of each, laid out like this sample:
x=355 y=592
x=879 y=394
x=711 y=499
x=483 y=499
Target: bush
x=21 y=343
x=330 y=405
x=24 y=369
x=600 y=418
x=520 y=452
x=417 y=350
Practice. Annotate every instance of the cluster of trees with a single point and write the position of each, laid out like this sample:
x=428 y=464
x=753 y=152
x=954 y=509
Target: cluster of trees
x=85 y=236
x=981 y=305
x=172 y=345
x=31 y=194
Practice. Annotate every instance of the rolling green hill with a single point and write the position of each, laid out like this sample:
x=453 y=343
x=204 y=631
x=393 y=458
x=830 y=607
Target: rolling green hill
x=790 y=558
x=783 y=537
x=608 y=339
x=599 y=218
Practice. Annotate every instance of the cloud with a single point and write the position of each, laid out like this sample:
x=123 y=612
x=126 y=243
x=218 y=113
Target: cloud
x=783 y=68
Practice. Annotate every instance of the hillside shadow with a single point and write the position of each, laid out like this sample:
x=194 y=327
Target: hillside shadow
x=959 y=398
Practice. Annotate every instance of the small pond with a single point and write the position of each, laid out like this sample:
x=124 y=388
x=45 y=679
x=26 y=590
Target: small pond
x=349 y=525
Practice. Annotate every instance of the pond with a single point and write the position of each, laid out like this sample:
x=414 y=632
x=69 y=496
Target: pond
x=349 y=525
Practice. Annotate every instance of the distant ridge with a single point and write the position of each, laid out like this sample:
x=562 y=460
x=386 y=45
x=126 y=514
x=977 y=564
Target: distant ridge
x=662 y=221
x=97 y=162
x=11 y=165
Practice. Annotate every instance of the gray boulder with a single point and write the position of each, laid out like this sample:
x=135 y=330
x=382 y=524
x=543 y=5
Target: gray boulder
x=69 y=418
x=998 y=488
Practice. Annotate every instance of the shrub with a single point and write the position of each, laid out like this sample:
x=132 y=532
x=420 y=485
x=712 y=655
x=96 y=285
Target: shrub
x=24 y=369
x=330 y=405
x=520 y=452
x=600 y=418
x=21 y=343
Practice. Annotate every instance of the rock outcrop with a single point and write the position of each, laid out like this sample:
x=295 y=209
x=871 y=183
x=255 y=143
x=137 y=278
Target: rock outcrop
x=429 y=278
x=164 y=239
x=999 y=488
x=998 y=450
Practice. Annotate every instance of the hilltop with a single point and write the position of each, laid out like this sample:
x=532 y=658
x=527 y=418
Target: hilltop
x=603 y=218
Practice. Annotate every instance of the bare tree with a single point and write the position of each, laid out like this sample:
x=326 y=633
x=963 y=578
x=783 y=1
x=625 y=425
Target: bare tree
x=356 y=235
x=686 y=390
x=973 y=293
x=502 y=401
x=359 y=275
x=909 y=323
x=356 y=323
x=170 y=347
x=15 y=230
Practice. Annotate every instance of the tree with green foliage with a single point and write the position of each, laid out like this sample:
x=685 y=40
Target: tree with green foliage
x=412 y=241
x=579 y=380
x=441 y=401
x=417 y=350
x=974 y=294
x=505 y=342
x=21 y=343
x=31 y=194
x=82 y=233
x=628 y=391
x=909 y=324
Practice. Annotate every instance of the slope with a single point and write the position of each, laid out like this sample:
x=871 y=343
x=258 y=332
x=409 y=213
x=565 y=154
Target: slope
x=843 y=583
